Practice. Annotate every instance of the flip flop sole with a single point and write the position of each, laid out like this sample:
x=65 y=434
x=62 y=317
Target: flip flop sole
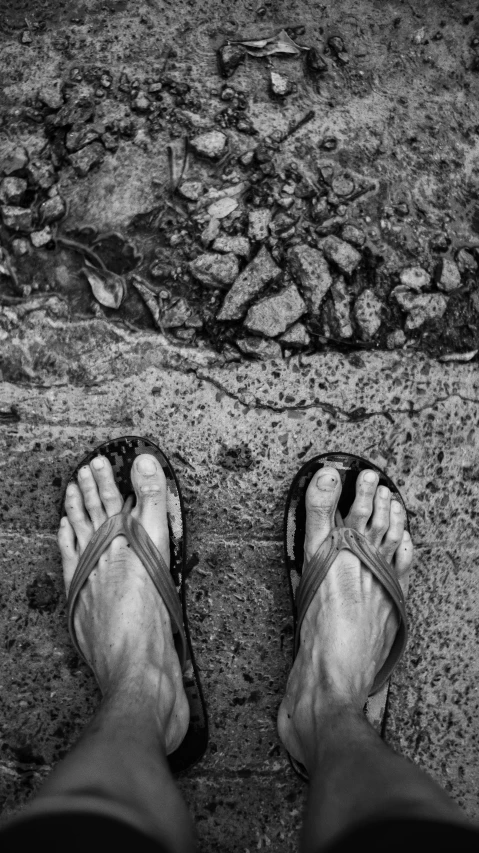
x=349 y=466
x=121 y=453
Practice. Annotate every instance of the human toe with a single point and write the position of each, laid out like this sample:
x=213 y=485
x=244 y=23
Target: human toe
x=379 y=521
x=322 y=498
x=66 y=543
x=77 y=515
x=394 y=534
x=362 y=506
x=149 y=483
x=109 y=493
x=91 y=496
x=403 y=559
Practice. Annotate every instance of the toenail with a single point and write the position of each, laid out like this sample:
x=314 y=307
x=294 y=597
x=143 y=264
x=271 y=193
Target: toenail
x=396 y=506
x=71 y=489
x=84 y=471
x=326 y=478
x=370 y=476
x=97 y=463
x=146 y=465
x=154 y=487
x=384 y=491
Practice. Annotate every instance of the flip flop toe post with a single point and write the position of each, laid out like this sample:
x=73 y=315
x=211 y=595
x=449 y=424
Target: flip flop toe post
x=169 y=581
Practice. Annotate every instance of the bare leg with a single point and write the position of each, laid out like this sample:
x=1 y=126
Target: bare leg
x=345 y=638
x=124 y=631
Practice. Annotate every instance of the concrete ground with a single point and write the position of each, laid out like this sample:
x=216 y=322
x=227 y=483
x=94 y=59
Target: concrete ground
x=237 y=434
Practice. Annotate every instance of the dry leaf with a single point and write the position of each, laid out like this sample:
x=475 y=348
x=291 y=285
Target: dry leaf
x=223 y=207
x=108 y=288
x=281 y=43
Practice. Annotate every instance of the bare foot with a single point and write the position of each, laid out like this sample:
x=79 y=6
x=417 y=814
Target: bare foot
x=121 y=623
x=351 y=623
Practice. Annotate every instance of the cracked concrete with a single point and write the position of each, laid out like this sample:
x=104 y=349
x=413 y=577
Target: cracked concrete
x=236 y=434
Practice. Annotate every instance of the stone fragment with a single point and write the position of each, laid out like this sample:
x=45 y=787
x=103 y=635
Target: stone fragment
x=191 y=190
x=41 y=174
x=281 y=86
x=26 y=38
x=20 y=247
x=465 y=261
x=13 y=158
x=247 y=158
x=259 y=219
x=341 y=253
x=420 y=307
x=77 y=139
x=41 y=238
x=259 y=347
x=52 y=209
x=214 y=270
x=447 y=275
x=367 y=311
x=343 y=186
x=141 y=103
x=475 y=300
x=211 y=145
x=296 y=336
x=315 y=62
x=85 y=159
x=210 y=232
x=396 y=340
x=416 y=278
x=222 y=208
x=312 y=272
x=51 y=95
x=272 y=315
x=254 y=279
x=17 y=218
x=12 y=190
x=229 y=57
x=341 y=303
x=236 y=245
x=353 y=235
x=176 y=314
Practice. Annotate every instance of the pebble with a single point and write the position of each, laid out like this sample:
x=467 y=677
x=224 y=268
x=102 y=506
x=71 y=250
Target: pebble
x=191 y=190
x=20 y=247
x=222 y=208
x=141 y=103
x=272 y=316
x=52 y=209
x=420 y=307
x=51 y=95
x=296 y=336
x=315 y=62
x=254 y=279
x=367 y=312
x=26 y=37
x=258 y=222
x=85 y=159
x=341 y=302
x=341 y=253
x=12 y=190
x=229 y=57
x=465 y=261
x=211 y=145
x=210 y=232
x=353 y=235
x=416 y=278
x=447 y=275
x=177 y=313
x=312 y=272
x=17 y=218
x=41 y=238
x=41 y=174
x=215 y=270
x=247 y=158
x=281 y=86
x=396 y=340
x=343 y=185
x=236 y=245
x=260 y=348
x=77 y=139
x=12 y=159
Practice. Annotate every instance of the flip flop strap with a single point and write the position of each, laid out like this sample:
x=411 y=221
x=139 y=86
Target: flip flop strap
x=345 y=538
x=124 y=524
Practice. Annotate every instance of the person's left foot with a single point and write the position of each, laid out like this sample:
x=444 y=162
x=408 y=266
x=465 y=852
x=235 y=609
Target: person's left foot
x=121 y=622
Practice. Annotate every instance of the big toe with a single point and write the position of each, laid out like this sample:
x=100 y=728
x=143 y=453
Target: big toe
x=321 y=503
x=149 y=483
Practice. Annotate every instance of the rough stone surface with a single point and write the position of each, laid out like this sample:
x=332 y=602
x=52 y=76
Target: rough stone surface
x=296 y=336
x=52 y=209
x=51 y=95
x=368 y=313
x=353 y=235
x=176 y=314
x=41 y=174
x=341 y=253
x=211 y=145
x=416 y=278
x=447 y=275
x=222 y=208
x=85 y=160
x=13 y=158
x=12 y=190
x=78 y=139
x=191 y=190
x=272 y=316
x=259 y=348
x=237 y=245
x=260 y=272
x=396 y=339
x=465 y=261
x=259 y=219
x=313 y=274
x=17 y=218
x=215 y=270
x=41 y=238
x=342 y=307
x=426 y=306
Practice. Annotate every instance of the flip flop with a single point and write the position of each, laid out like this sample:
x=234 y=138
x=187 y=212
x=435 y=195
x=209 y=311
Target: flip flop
x=303 y=583
x=170 y=583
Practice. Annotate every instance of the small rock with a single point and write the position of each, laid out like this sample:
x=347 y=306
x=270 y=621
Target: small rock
x=110 y=142
x=41 y=238
x=229 y=57
x=341 y=302
x=17 y=218
x=247 y=158
x=12 y=190
x=141 y=103
x=236 y=245
x=106 y=80
x=85 y=159
x=41 y=174
x=20 y=247
x=416 y=278
x=447 y=275
x=475 y=300
x=217 y=271
x=341 y=253
x=259 y=348
x=155 y=88
x=343 y=186
x=367 y=311
x=281 y=86
x=465 y=261
x=26 y=37
x=177 y=313
x=191 y=190
x=77 y=139
x=296 y=336
x=222 y=208
x=211 y=145
x=396 y=340
x=51 y=95
x=420 y=307
x=311 y=270
x=254 y=279
x=52 y=209
x=12 y=159
x=353 y=235
x=259 y=219
x=272 y=316
x=337 y=46
x=210 y=232
x=315 y=62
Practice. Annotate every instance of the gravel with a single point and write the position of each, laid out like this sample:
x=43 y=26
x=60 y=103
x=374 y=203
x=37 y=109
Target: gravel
x=41 y=238
x=13 y=158
x=52 y=209
x=211 y=145
x=416 y=278
x=310 y=269
x=86 y=159
x=237 y=245
x=259 y=219
x=420 y=307
x=345 y=256
x=368 y=313
x=17 y=218
x=447 y=275
x=215 y=270
x=272 y=316
x=296 y=336
x=342 y=307
x=254 y=279
x=12 y=190
x=260 y=348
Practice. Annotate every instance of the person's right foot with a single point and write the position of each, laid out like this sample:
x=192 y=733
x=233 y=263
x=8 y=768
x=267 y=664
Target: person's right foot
x=351 y=623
